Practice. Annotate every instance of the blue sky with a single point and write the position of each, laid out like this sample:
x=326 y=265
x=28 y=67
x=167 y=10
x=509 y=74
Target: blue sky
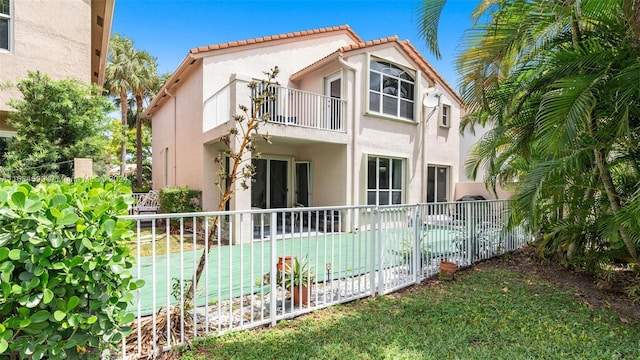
x=167 y=29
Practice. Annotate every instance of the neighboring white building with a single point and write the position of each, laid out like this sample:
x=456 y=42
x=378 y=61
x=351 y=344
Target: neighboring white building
x=348 y=127
x=466 y=185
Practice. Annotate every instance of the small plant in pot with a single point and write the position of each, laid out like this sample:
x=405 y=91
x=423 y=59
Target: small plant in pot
x=298 y=278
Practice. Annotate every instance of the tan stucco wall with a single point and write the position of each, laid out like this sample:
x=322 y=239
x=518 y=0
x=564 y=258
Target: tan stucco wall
x=53 y=37
x=163 y=146
x=182 y=138
x=385 y=136
x=290 y=57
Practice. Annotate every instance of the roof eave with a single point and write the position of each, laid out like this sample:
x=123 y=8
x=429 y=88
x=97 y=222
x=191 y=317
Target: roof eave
x=101 y=21
x=316 y=65
x=409 y=47
x=172 y=82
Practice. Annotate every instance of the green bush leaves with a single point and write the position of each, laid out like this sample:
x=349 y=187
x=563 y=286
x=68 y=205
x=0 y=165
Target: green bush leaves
x=179 y=200
x=65 y=279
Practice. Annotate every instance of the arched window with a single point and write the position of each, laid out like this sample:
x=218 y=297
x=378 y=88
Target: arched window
x=391 y=90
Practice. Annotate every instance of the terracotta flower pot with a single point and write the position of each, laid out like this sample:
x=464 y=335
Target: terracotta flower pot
x=282 y=260
x=301 y=295
x=448 y=269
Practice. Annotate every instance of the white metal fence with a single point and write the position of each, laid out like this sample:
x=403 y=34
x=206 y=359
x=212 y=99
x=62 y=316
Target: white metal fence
x=347 y=252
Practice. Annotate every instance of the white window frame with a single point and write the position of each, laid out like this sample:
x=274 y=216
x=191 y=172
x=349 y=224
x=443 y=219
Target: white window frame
x=390 y=190
x=9 y=18
x=445 y=116
x=380 y=92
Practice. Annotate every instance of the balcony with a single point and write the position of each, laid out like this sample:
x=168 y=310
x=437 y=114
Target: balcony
x=291 y=107
x=294 y=107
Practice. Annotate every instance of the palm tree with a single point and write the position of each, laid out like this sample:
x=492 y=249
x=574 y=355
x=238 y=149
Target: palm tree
x=119 y=77
x=147 y=81
x=130 y=71
x=552 y=80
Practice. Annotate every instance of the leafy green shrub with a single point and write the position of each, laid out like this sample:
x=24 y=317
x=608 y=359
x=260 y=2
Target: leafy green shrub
x=65 y=278
x=179 y=200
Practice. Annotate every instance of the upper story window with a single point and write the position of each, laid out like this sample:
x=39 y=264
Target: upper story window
x=391 y=90
x=445 y=116
x=5 y=24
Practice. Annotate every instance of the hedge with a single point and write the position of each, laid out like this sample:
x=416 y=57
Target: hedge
x=65 y=275
x=179 y=200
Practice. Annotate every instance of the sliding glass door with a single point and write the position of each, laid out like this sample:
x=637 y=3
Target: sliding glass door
x=271 y=186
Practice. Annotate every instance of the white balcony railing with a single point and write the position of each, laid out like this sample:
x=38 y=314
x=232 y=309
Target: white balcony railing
x=290 y=107
x=294 y=107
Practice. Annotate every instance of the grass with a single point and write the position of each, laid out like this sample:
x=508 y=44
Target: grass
x=146 y=246
x=488 y=314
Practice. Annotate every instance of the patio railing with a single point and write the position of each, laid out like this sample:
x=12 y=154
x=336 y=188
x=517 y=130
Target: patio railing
x=351 y=252
x=295 y=107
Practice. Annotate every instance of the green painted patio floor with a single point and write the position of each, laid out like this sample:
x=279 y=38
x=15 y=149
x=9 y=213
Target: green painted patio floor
x=238 y=270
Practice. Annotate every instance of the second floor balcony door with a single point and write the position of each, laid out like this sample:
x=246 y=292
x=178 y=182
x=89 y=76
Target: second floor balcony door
x=333 y=89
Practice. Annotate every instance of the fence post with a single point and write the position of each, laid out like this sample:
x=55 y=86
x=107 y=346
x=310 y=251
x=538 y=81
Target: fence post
x=381 y=248
x=417 y=251
x=82 y=168
x=468 y=221
x=374 y=238
x=272 y=274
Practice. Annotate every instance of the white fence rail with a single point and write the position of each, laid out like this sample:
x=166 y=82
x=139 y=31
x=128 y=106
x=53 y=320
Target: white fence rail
x=351 y=252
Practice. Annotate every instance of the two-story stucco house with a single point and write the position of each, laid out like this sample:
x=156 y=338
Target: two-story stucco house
x=64 y=39
x=349 y=126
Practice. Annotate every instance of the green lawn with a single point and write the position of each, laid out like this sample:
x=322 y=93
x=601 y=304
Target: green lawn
x=487 y=314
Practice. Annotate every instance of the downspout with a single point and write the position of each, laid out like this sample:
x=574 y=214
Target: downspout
x=175 y=139
x=349 y=66
x=423 y=170
x=427 y=114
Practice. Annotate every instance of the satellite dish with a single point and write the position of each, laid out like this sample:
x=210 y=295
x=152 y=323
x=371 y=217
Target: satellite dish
x=431 y=100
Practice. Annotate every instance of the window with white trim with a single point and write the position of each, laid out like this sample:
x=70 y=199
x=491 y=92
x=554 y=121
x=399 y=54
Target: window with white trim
x=445 y=116
x=391 y=90
x=5 y=25
x=385 y=180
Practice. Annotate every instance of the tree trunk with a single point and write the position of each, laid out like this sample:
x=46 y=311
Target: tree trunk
x=123 y=144
x=614 y=200
x=251 y=126
x=138 y=141
x=237 y=156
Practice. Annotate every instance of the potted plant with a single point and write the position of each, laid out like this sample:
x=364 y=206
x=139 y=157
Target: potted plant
x=447 y=269
x=297 y=277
